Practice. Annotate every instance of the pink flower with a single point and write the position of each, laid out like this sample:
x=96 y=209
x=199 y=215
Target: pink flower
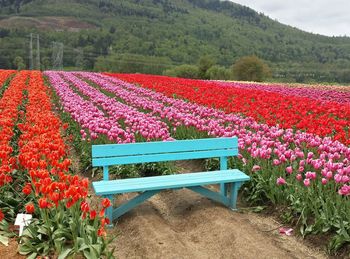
x=289 y=169
x=307 y=182
x=286 y=231
x=310 y=175
x=276 y=162
x=299 y=177
x=255 y=168
x=324 y=181
x=338 y=178
x=329 y=175
x=345 y=190
x=281 y=181
x=345 y=179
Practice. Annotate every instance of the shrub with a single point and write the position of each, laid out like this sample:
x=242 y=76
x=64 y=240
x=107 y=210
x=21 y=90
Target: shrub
x=251 y=68
x=218 y=72
x=184 y=71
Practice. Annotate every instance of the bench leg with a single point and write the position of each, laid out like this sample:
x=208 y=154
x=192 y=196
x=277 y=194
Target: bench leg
x=223 y=189
x=234 y=187
x=215 y=196
x=124 y=208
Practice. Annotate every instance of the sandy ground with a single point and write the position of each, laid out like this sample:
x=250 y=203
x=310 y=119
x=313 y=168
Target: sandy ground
x=10 y=251
x=182 y=224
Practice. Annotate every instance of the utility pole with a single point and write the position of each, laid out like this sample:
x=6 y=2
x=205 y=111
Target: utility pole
x=37 y=53
x=79 y=60
x=31 y=59
x=31 y=52
x=57 y=55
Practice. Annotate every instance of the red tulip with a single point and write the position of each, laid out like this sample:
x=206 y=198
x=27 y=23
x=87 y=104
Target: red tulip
x=43 y=204
x=106 y=203
x=2 y=216
x=30 y=208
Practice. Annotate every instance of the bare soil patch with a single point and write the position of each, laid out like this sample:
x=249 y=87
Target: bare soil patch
x=10 y=251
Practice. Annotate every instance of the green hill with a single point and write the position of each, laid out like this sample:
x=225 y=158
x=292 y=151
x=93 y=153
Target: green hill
x=154 y=35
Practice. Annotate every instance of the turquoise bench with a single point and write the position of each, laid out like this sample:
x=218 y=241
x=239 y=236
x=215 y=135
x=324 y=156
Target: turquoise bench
x=120 y=154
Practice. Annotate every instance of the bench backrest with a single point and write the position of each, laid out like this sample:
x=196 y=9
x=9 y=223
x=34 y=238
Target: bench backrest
x=121 y=154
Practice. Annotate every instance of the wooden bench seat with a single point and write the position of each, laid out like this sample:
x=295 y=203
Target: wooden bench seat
x=118 y=154
x=150 y=186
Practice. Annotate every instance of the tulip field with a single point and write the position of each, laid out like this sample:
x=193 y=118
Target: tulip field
x=294 y=143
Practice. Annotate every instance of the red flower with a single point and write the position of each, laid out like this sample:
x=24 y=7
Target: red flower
x=101 y=232
x=30 y=208
x=106 y=203
x=93 y=214
x=84 y=206
x=27 y=189
x=43 y=204
x=2 y=216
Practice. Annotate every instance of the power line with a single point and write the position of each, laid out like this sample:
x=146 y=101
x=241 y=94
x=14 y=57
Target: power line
x=31 y=60
x=57 y=55
x=38 y=53
x=31 y=52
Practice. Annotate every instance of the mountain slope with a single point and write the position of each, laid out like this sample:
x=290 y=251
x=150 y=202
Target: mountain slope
x=176 y=31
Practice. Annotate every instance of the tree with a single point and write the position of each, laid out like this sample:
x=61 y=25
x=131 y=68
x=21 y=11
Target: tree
x=251 y=68
x=19 y=63
x=46 y=63
x=218 y=72
x=204 y=64
x=184 y=71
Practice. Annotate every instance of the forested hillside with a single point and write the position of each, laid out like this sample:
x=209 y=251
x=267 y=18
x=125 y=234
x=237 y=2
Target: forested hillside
x=151 y=36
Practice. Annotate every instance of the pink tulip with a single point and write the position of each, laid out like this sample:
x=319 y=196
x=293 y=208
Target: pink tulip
x=307 y=182
x=276 y=162
x=286 y=231
x=299 y=177
x=281 y=181
x=324 y=181
x=255 y=168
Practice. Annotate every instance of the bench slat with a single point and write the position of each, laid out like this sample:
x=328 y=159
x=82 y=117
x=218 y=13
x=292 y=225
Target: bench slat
x=162 y=157
x=168 y=182
x=159 y=147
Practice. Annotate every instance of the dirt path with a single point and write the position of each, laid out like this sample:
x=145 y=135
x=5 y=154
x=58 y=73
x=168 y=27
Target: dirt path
x=182 y=224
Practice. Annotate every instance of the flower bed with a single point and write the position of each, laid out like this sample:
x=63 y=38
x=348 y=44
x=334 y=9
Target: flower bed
x=321 y=93
x=313 y=116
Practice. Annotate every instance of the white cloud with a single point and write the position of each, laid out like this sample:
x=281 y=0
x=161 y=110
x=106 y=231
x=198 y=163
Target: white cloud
x=328 y=17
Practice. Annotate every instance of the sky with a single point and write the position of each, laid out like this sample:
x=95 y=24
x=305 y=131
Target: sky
x=327 y=17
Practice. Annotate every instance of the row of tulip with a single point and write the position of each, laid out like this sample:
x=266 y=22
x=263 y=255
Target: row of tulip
x=340 y=88
x=174 y=111
x=9 y=113
x=313 y=116
x=4 y=75
x=313 y=93
x=134 y=121
x=57 y=198
x=90 y=118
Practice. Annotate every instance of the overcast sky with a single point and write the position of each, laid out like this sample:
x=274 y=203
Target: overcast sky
x=327 y=17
